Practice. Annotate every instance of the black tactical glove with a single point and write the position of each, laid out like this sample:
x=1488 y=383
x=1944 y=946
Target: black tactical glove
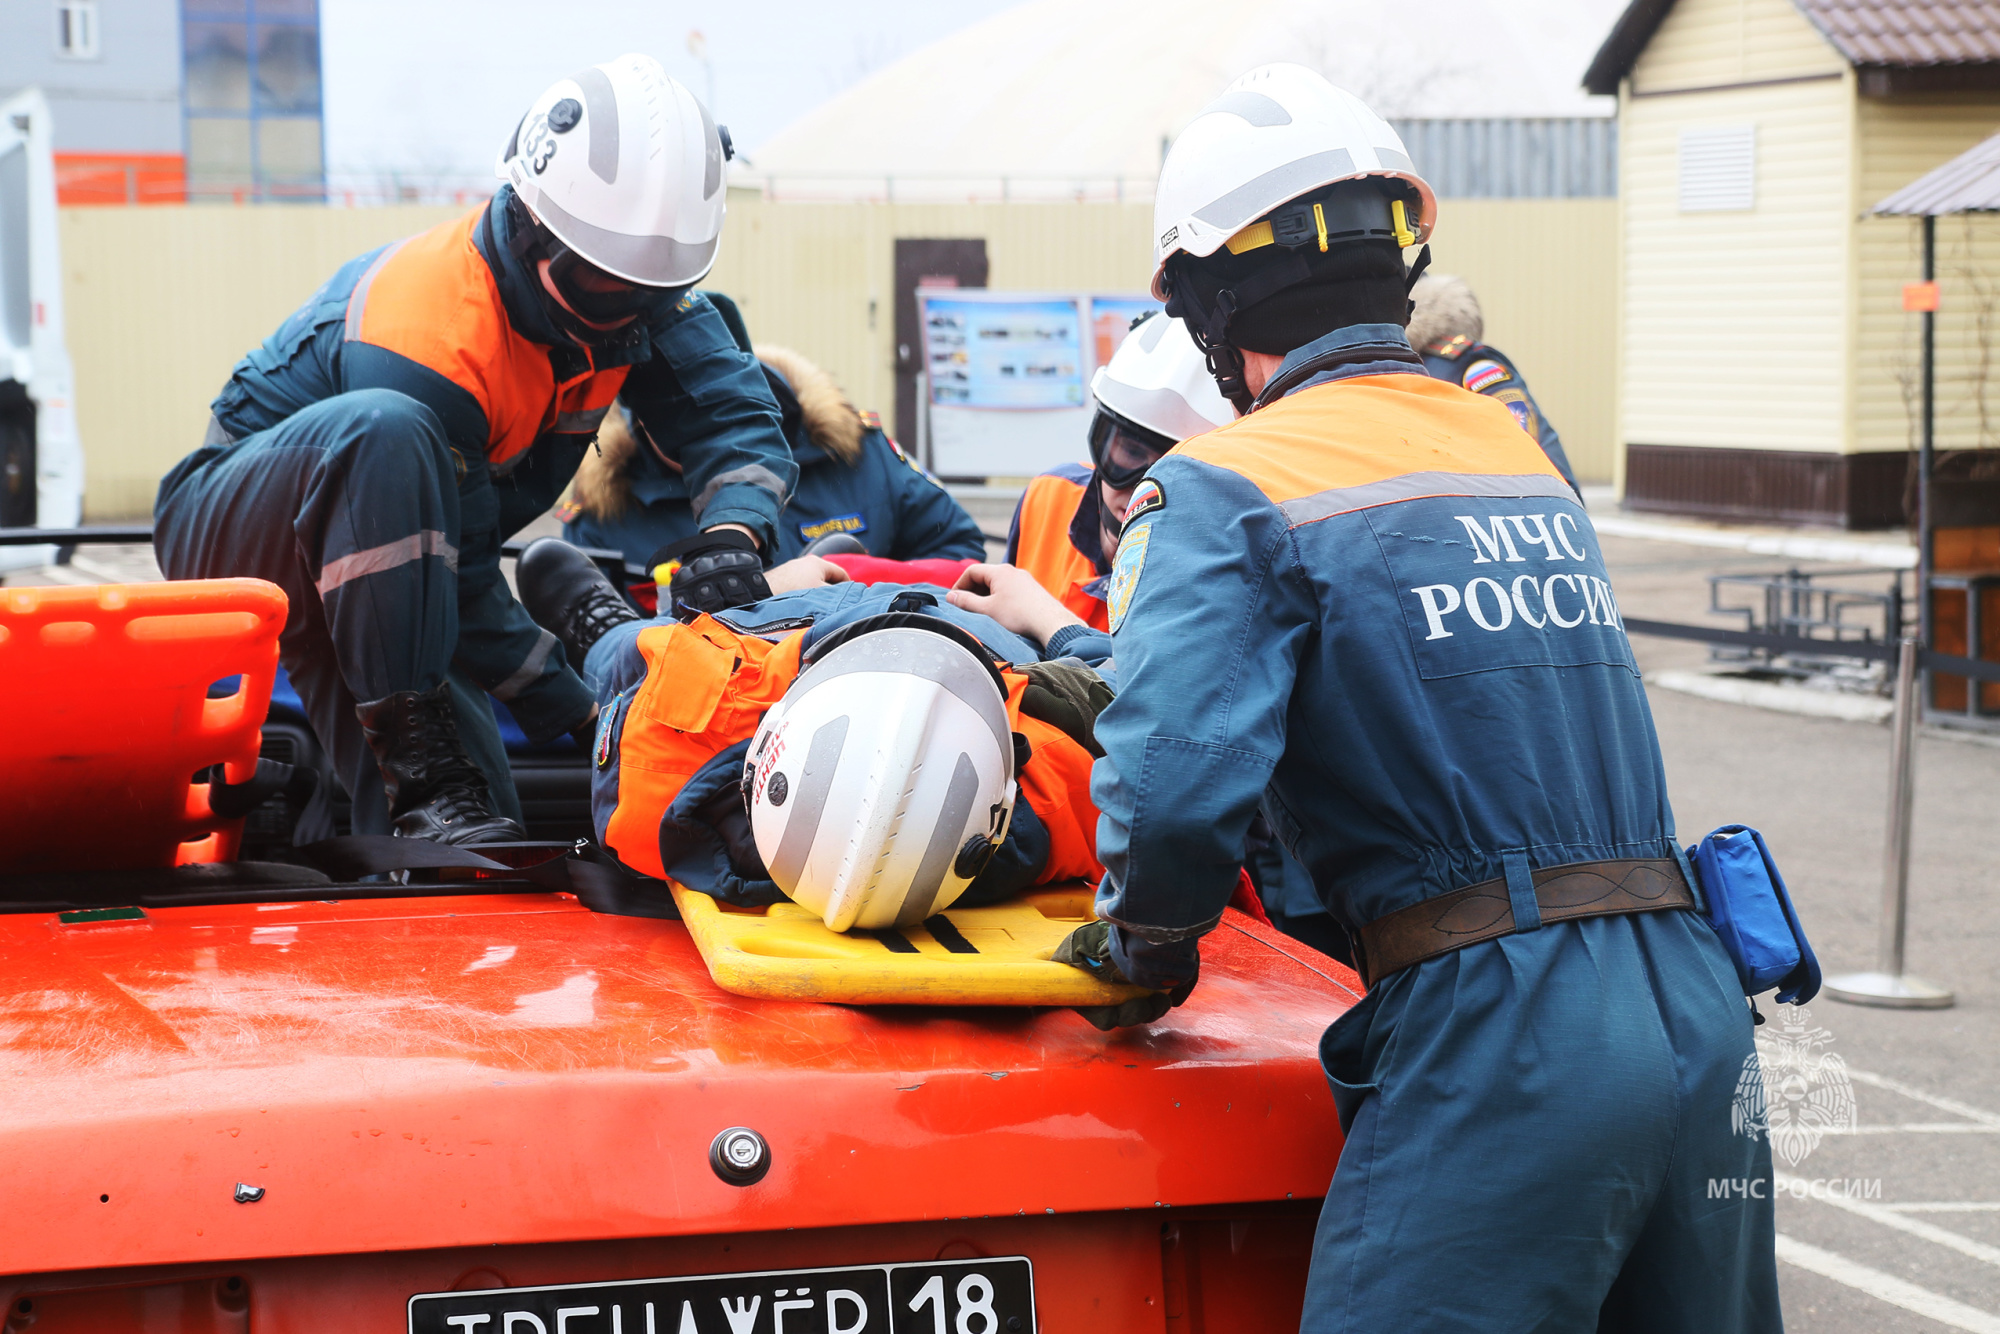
x=1066 y=695
x=1089 y=948
x=711 y=572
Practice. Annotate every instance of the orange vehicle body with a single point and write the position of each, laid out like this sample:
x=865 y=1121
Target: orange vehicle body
x=512 y=1090
x=291 y=1116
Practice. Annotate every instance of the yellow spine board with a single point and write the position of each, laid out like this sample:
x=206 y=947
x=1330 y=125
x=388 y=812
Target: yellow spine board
x=784 y=952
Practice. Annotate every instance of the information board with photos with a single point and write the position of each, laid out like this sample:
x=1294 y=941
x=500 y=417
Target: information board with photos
x=1009 y=375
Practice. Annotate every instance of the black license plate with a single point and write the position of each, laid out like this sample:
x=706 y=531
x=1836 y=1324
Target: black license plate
x=944 y=1297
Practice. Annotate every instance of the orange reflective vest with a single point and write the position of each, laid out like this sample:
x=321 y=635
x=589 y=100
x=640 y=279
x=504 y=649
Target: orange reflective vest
x=433 y=299
x=1042 y=546
x=707 y=686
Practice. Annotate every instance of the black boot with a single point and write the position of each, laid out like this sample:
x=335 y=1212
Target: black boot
x=567 y=595
x=435 y=790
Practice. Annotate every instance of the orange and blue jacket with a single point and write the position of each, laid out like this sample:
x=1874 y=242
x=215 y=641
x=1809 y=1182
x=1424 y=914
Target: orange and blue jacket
x=1375 y=599
x=1054 y=537
x=681 y=703
x=452 y=317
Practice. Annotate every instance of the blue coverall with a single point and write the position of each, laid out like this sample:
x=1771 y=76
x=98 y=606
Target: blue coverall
x=1376 y=601
x=357 y=478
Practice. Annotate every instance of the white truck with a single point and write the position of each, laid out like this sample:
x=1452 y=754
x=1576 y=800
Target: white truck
x=41 y=459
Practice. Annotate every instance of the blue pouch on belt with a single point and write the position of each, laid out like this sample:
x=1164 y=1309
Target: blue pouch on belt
x=1748 y=908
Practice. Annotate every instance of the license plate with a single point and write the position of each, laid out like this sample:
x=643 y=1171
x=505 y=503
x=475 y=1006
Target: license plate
x=944 y=1297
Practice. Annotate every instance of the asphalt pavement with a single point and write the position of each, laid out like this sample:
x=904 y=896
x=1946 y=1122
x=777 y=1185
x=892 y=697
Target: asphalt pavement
x=1891 y=1219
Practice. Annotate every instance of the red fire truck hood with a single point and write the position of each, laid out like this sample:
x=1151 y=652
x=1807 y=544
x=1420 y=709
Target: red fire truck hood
x=398 y=1074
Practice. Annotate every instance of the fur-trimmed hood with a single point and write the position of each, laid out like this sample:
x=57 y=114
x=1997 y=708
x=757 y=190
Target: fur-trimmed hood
x=1445 y=307
x=603 y=487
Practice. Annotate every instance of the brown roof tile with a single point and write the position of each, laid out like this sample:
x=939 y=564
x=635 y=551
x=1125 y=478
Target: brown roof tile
x=1908 y=32
x=1883 y=34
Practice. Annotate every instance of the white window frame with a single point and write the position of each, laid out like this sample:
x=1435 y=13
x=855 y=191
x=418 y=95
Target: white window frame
x=76 y=34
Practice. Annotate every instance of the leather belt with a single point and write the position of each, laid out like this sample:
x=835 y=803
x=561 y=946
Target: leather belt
x=1484 y=911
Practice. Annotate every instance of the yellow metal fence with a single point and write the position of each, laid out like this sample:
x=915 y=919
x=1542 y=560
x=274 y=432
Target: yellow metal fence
x=162 y=301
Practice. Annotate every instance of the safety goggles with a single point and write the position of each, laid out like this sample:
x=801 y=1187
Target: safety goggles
x=600 y=297
x=1122 y=452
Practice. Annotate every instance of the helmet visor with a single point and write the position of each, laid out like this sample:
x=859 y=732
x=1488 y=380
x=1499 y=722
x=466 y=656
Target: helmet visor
x=1122 y=452
x=603 y=298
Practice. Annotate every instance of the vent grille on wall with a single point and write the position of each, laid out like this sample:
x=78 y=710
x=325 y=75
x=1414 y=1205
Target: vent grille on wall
x=1719 y=169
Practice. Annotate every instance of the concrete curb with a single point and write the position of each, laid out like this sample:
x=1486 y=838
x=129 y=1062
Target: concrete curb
x=1778 y=698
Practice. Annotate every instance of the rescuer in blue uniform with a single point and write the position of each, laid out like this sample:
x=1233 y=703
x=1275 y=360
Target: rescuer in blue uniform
x=433 y=398
x=854 y=481
x=1447 y=329
x=1374 y=598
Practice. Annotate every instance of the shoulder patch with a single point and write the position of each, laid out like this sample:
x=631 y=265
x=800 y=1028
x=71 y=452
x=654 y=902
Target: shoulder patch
x=1523 y=409
x=1125 y=571
x=607 y=732
x=871 y=421
x=1146 y=497
x=1451 y=349
x=1481 y=376
x=912 y=464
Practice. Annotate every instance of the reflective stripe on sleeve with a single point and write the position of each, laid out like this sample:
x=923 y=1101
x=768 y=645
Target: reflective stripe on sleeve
x=1413 y=486
x=580 y=423
x=529 y=671
x=756 y=474
x=388 y=556
x=357 y=304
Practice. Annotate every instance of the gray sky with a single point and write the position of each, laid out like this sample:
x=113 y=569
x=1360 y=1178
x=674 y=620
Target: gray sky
x=430 y=89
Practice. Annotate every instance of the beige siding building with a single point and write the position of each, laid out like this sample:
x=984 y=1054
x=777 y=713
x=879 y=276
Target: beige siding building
x=1768 y=369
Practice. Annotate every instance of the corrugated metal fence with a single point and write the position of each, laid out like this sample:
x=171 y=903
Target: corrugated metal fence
x=1569 y=158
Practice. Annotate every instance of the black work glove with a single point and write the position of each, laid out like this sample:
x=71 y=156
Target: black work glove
x=1089 y=948
x=1066 y=695
x=712 y=572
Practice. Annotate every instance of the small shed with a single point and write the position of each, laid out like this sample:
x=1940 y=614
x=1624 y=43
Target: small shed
x=1958 y=506
x=1768 y=370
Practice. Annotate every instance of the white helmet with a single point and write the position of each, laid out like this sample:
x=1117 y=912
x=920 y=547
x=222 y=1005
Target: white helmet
x=625 y=167
x=883 y=781
x=1278 y=132
x=1159 y=379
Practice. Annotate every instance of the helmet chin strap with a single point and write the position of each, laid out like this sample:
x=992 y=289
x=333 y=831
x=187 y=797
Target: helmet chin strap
x=1225 y=359
x=1210 y=329
x=1410 y=282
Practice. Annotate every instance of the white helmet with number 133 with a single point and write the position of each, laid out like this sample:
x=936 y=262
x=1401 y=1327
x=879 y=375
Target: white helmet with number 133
x=625 y=167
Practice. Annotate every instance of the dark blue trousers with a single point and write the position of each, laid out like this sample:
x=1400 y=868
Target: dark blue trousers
x=1539 y=1138
x=351 y=506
